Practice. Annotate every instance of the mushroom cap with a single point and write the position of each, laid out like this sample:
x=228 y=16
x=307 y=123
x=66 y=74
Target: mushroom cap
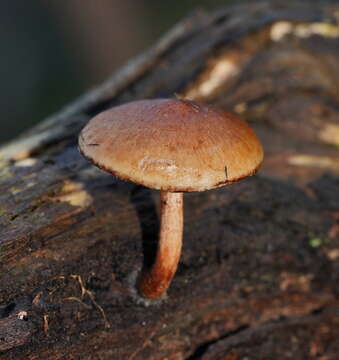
x=172 y=145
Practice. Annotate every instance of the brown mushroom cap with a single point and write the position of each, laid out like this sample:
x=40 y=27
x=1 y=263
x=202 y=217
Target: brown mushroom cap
x=172 y=145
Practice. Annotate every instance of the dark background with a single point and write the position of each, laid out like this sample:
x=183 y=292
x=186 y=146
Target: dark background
x=52 y=51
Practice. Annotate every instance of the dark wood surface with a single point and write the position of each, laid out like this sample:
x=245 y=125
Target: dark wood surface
x=259 y=274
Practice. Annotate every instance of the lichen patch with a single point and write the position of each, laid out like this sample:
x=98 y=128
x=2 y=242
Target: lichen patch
x=292 y=281
x=74 y=193
x=283 y=28
x=28 y=162
x=219 y=73
x=330 y=134
x=324 y=162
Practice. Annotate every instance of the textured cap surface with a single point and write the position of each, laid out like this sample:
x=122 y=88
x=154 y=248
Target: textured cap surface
x=171 y=144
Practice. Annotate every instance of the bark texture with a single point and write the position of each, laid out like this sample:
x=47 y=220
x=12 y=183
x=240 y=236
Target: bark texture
x=259 y=273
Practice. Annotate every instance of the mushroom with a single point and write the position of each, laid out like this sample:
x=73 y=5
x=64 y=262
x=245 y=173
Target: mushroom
x=174 y=146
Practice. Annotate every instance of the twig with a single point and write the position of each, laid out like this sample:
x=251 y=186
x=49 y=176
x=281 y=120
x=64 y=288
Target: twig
x=89 y=293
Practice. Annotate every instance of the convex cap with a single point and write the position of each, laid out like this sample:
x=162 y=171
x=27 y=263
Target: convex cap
x=172 y=145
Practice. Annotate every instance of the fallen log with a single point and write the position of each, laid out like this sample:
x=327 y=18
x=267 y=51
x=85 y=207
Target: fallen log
x=260 y=259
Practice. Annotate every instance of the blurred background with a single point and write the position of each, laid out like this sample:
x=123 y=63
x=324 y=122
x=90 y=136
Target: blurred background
x=53 y=51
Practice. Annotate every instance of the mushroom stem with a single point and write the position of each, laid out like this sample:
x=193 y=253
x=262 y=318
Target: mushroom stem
x=155 y=280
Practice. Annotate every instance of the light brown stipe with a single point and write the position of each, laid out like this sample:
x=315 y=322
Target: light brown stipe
x=155 y=281
x=174 y=146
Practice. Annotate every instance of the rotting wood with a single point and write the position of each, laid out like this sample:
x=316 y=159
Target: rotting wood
x=257 y=255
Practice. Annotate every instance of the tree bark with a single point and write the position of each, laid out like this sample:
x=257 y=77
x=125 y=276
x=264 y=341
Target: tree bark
x=259 y=271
